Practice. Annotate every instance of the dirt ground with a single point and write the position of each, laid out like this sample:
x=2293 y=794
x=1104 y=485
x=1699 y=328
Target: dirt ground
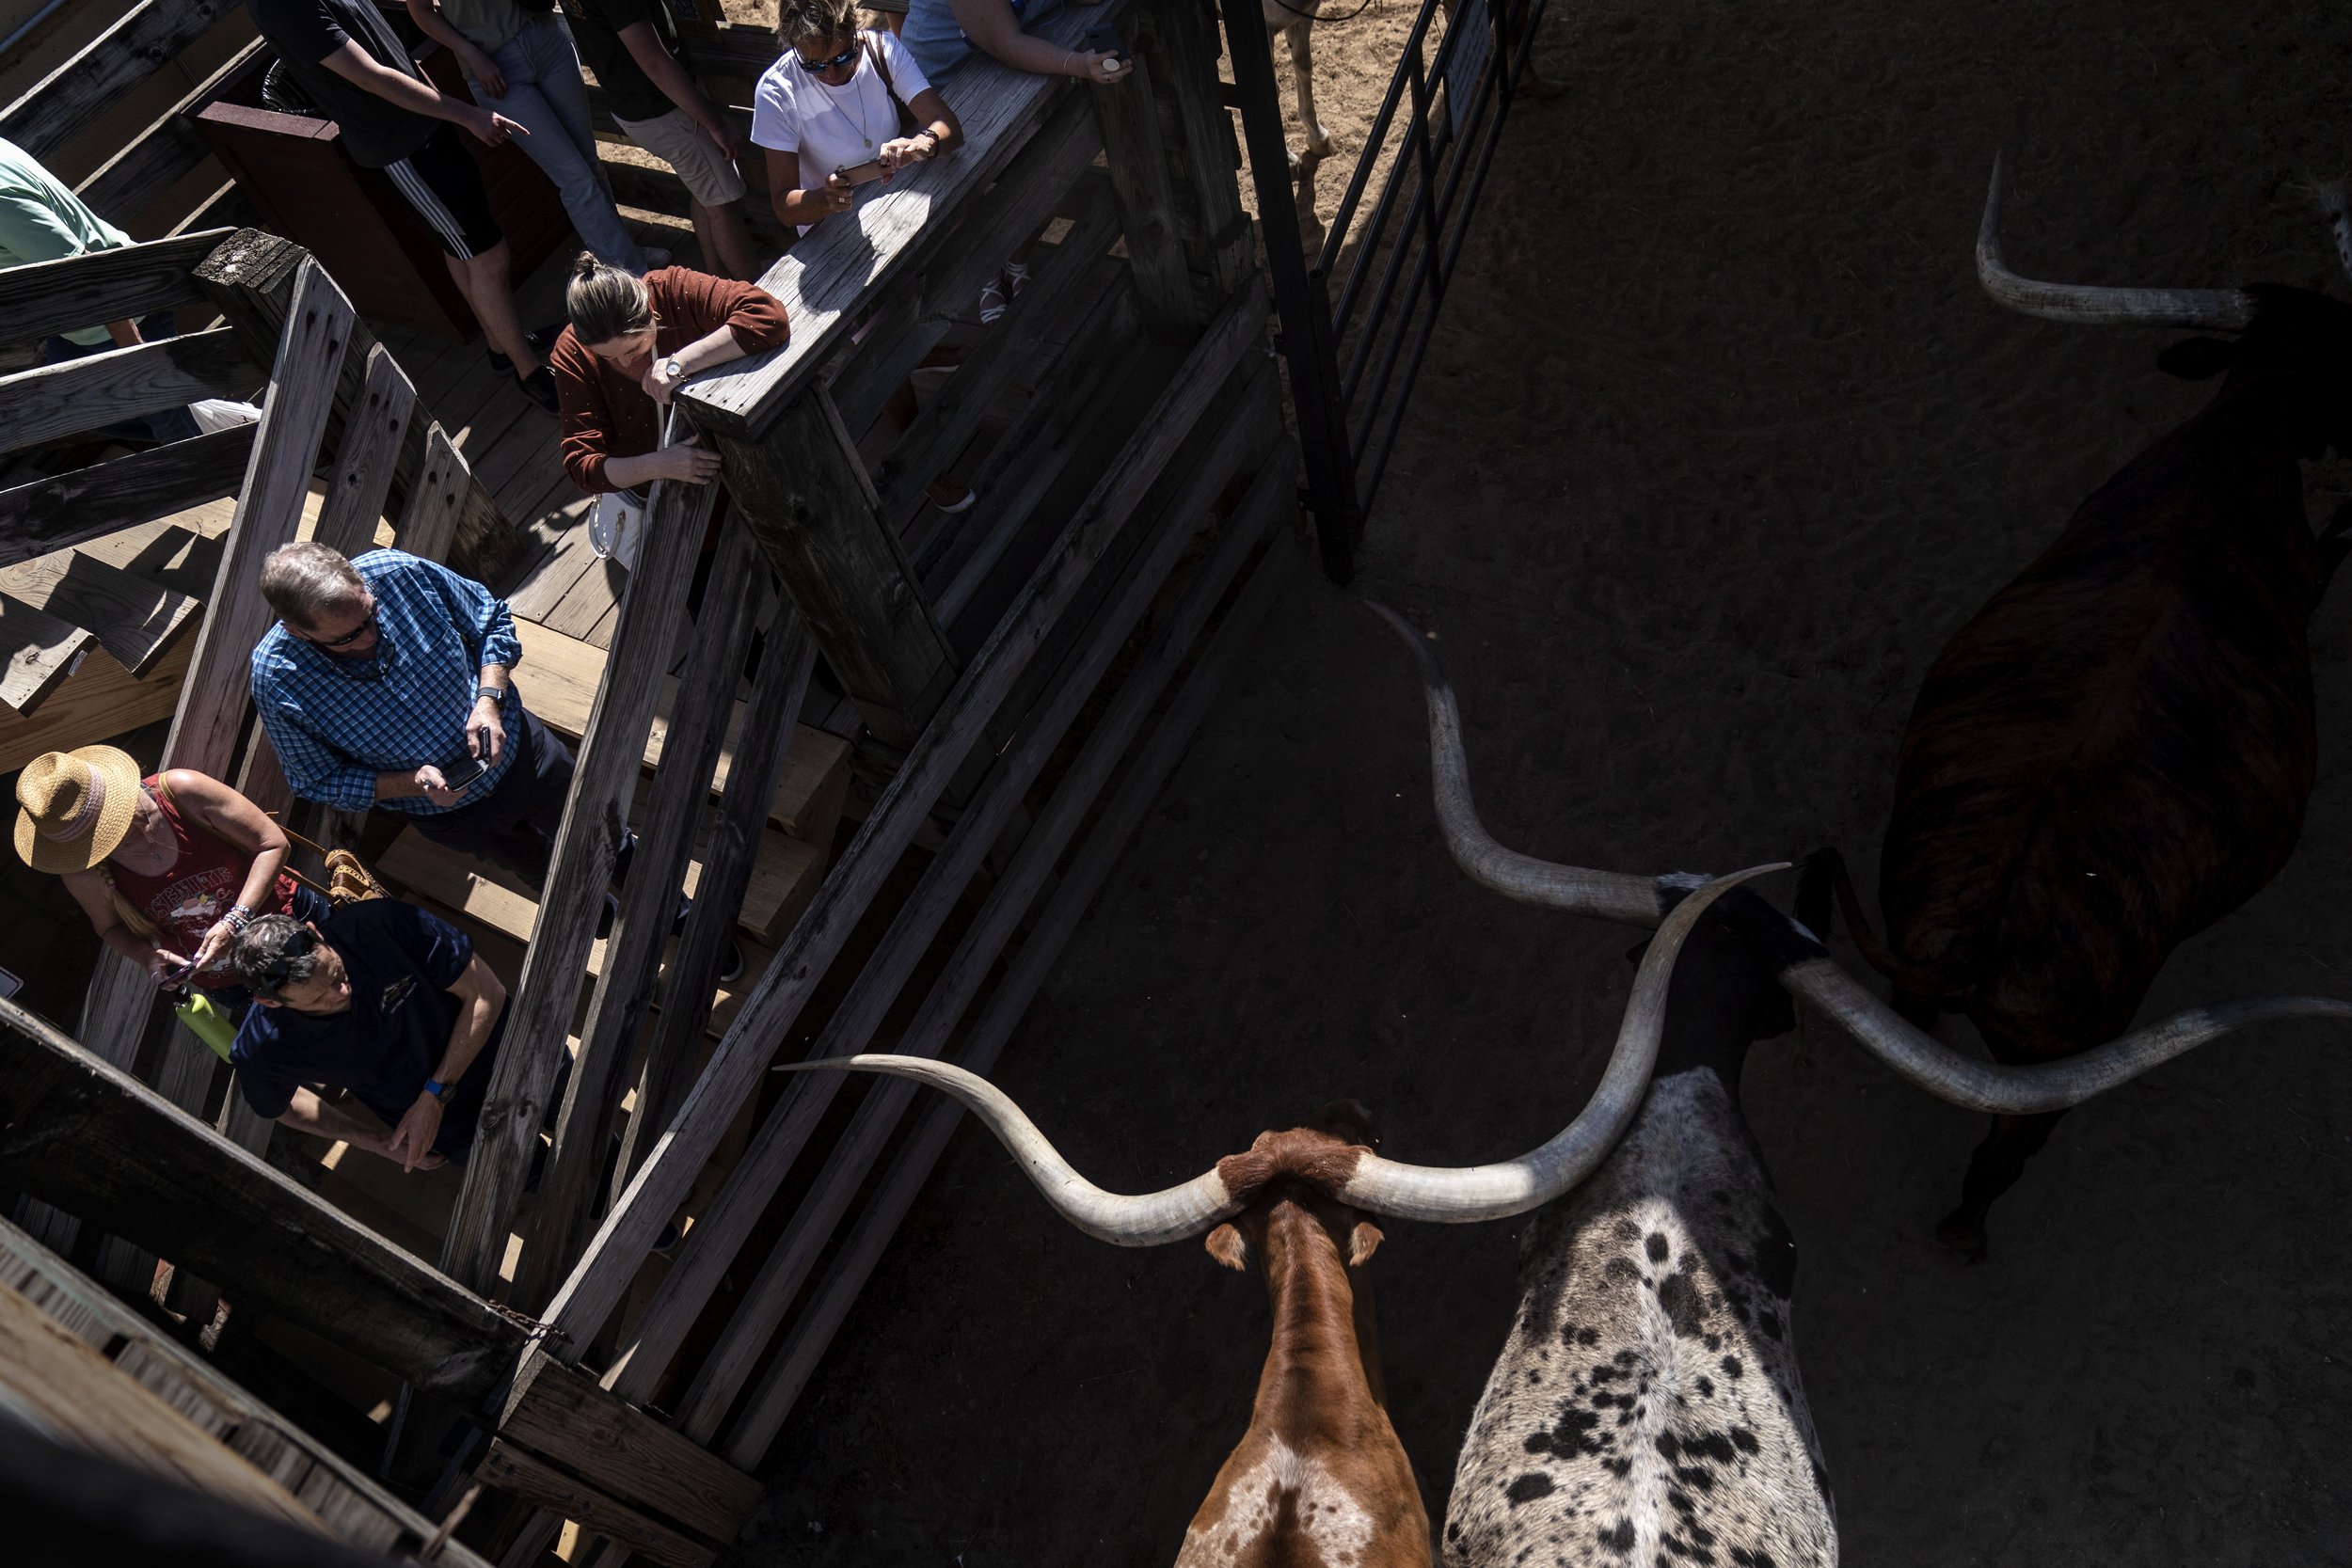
x=1717 y=443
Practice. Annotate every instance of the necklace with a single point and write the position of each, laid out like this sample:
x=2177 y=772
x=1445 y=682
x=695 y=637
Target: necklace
x=856 y=96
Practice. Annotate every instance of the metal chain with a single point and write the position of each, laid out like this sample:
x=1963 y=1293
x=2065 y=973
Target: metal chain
x=524 y=1320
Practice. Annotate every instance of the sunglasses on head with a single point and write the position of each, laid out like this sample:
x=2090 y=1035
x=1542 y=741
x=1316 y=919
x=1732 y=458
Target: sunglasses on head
x=347 y=639
x=843 y=58
x=276 y=972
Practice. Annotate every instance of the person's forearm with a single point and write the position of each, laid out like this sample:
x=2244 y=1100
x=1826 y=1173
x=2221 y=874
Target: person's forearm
x=1037 y=56
x=307 y=1112
x=475 y=1019
x=125 y=333
x=407 y=93
x=714 y=348
x=631 y=473
x=127 y=943
x=255 y=894
x=493 y=677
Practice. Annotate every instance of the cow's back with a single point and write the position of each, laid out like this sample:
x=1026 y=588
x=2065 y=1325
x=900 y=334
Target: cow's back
x=1648 y=1406
x=2113 y=753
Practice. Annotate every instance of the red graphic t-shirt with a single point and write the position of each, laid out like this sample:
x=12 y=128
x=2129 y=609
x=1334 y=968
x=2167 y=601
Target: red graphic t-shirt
x=202 y=885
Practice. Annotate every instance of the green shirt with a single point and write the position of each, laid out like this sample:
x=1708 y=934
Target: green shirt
x=489 y=25
x=42 y=221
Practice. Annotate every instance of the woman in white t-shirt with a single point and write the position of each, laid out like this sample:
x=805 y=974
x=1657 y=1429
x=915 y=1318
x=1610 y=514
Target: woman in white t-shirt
x=827 y=113
x=830 y=104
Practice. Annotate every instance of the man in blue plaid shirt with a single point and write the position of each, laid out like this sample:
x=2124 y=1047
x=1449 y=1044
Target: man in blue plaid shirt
x=386 y=683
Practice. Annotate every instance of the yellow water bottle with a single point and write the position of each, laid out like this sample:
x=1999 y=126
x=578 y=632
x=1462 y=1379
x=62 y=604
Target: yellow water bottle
x=206 y=1022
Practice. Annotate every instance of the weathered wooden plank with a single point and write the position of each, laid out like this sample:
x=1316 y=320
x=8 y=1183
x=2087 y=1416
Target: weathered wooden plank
x=839 y=272
x=772 y=1400
x=561 y=1414
x=535 y=1481
x=1184 y=44
x=97 y=703
x=215 y=695
x=68 y=1390
x=1129 y=115
x=147 y=38
x=770 y=728
x=570 y=1201
x=83 y=1134
x=804 y=492
x=370 y=1517
x=249 y=278
x=160 y=156
x=88 y=503
x=74 y=395
x=364 y=464
x=76 y=292
x=438 y=504
x=36 y=652
x=603 y=780
x=132 y=618
x=1229 y=438
x=954 y=415
x=595 y=1286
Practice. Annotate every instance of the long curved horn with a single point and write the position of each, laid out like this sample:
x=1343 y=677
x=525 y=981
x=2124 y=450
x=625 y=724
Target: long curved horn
x=1462 y=1194
x=2023 y=1090
x=1148 y=1219
x=2090 y=305
x=1803 y=964
x=1609 y=894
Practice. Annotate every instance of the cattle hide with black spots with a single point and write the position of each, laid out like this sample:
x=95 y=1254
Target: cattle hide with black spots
x=1647 y=1408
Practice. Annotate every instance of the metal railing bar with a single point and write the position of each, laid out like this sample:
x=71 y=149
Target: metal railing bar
x=1406 y=242
x=1427 y=163
x=1422 y=272
x=1369 y=246
x=1337 y=235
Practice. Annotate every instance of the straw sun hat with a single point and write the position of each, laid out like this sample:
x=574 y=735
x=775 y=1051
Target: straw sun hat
x=77 y=806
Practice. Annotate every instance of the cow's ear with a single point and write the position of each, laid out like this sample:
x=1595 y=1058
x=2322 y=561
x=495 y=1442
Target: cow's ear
x=2197 y=358
x=1362 y=1242
x=1227 y=1246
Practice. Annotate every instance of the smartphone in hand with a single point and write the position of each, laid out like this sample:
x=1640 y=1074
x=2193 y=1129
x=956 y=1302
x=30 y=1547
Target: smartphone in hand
x=860 y=174
x=1103 y=37
x=465 y=770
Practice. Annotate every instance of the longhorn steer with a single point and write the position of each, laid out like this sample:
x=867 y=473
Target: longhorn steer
x=1319 y=1478
x=1801 y=964
x=2117 y=751
x=1647 y=1407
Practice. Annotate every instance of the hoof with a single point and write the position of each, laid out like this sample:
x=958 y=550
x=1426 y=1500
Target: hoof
x=1962 y=1237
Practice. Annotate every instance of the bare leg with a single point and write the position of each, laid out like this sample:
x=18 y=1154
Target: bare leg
x=1301 y=34
x=483 y=282
x=726 y=241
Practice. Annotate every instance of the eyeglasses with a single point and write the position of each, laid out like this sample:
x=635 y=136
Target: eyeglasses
x=347 y=639
x=843 y=58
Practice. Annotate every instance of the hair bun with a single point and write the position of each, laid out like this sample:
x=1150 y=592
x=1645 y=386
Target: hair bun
x=585 y=267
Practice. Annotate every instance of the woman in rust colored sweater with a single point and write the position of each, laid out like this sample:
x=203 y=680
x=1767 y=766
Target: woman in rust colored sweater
x=631 y=341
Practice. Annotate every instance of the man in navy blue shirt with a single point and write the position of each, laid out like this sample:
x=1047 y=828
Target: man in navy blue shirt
x=381 y=998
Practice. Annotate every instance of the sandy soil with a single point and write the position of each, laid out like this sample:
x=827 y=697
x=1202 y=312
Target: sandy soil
x=1717 y=443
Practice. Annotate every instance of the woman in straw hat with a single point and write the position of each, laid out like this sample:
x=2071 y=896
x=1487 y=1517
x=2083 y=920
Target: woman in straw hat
x=169 y=868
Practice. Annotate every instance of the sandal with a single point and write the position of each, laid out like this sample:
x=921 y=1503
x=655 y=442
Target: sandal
x=1017 y=277
x=992 y=302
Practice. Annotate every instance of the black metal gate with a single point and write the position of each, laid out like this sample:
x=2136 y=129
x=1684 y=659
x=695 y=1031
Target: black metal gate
x=1353 y=356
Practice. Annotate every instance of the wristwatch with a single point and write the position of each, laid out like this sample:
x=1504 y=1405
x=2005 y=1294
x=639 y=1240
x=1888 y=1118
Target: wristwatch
x=496 y=694
x=673 y=369
x=438 y=1089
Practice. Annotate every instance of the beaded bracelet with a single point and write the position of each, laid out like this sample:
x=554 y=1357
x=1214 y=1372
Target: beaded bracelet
x=239 y=917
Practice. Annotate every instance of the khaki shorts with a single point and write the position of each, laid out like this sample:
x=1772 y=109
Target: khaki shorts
x=710 y=176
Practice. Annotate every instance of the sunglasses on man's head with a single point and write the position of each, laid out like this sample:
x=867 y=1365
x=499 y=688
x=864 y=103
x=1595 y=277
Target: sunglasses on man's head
x=276 y=972
x=843 y=58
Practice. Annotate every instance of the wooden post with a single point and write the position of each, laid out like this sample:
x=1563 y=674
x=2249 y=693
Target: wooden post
x=539 y=1014
x=804 y=491
x=569 y=1203
x=215 y=695
x=769 y=720
x=83 y=1134
x=362 y=476
x=249 y=278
